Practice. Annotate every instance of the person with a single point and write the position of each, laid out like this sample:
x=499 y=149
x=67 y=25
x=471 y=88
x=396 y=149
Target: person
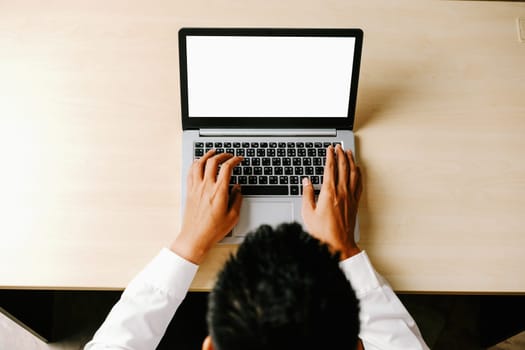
x=283 y=289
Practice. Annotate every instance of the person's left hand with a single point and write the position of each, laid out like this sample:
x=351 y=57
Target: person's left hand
x=210 y=211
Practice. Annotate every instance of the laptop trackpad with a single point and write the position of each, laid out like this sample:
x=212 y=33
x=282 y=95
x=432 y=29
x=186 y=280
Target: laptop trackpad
x=257 y=212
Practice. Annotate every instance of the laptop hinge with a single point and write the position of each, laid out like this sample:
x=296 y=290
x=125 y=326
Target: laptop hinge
x=267 y=132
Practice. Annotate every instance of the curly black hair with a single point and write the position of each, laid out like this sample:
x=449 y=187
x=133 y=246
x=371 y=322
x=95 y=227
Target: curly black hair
x=282 y=290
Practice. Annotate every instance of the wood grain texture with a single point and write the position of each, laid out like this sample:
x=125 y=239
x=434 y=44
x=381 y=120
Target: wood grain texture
x=90 y=137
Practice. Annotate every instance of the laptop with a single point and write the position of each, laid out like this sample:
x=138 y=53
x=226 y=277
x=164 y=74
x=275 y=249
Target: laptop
x=276 y=96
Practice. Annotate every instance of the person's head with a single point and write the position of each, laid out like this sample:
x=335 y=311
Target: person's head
x=282 y=290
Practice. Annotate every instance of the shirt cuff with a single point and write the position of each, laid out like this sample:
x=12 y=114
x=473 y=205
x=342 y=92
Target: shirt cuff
x=359 y=271
x=168 y=273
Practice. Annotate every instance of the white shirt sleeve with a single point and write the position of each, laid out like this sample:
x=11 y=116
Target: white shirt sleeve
x=146 y=307
x=385 y=323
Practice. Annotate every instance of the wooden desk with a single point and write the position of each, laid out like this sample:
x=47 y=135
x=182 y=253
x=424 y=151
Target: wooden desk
x=90 y=137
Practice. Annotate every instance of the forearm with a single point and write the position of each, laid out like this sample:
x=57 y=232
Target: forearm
x=141 y=316
x=385 y=323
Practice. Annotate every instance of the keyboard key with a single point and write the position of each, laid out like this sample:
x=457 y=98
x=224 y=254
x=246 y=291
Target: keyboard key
x=261 y=152
x=264 y=144
x=254 y=144
x=252 y=180
x=290 y=144
x=294 y=180
x=301 y=152
x=281 y=152
x=287 y=161
x=312 y=152
x=230 y=150
x=288 y=170
x=317 y=161
x=247 y=171
x=309 y=170
x=240 y=152
x=236 y=144
x=307 y=161
x=273 y=180
x=268 y=170
x=297 y=161
x=218 y=144
x=314 y=180
x=298 y=170
x=319 y=170
x=237 y=170
x=318 y=145
x=263 y=180
x=233 y=180
x=227 y=144
x=266 y=161
x=246 y=162
x=294 y=190
x=264 y=190
x=291 y=152
x=273 y=144
x=242 y=180
x=321 y=152
x=278 y=170
x=283 y=180
x=326 y=144
x=256 y=161
x=282 y=144
x=257 y=170
x=300 y=144
x=309 y=144
x=199 y=144
x=245 y=144
x=250 y=152
x=276 y=161
x=199 y=152
x=219 y=150
x=270 y=152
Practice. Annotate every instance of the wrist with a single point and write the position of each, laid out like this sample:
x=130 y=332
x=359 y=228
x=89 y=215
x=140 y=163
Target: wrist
x=349 y=252
x=188 y=249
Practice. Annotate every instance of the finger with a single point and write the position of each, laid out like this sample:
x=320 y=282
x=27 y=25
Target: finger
x=329 y=169
x=226 y=170
x=353 y=171
x=359 y=185
x=342 y=170
x=200 y=164
x=235 y=205
x=308 y=197
x=212 y=165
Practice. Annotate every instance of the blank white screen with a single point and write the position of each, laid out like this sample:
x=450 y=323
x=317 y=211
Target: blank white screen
x=238 y=76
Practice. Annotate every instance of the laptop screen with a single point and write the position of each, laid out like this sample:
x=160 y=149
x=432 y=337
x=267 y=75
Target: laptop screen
x=255 y=76
x=268 y=77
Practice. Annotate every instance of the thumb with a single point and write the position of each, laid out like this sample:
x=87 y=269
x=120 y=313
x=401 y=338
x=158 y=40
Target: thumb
x=235 y=204
x=308 y=197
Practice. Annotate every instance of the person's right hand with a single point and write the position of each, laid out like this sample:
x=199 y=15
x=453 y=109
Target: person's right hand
x=332 y=219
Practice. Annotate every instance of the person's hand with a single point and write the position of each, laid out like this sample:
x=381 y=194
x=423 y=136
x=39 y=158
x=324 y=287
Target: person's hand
x=210 y=211
x=332 y=219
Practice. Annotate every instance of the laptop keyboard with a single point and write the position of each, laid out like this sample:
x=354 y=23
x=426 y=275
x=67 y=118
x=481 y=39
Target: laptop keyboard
x=272 y=168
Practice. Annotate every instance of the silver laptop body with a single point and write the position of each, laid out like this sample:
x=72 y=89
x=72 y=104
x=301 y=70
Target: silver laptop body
x=268 y=91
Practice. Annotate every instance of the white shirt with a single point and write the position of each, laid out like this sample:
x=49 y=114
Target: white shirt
x=141 y=316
